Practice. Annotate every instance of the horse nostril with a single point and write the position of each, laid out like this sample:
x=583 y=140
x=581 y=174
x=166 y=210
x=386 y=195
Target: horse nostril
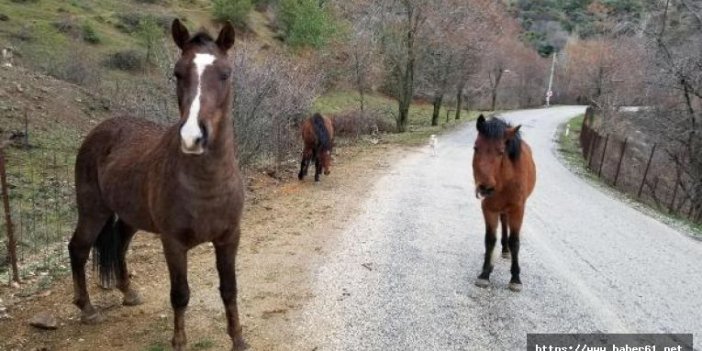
x=482 y=188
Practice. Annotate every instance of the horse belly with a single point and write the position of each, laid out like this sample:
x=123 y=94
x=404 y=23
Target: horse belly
x=123 y=191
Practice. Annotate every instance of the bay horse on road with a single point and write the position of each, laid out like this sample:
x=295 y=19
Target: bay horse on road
x=182 y=182
x=505 y=175
x=318 y=137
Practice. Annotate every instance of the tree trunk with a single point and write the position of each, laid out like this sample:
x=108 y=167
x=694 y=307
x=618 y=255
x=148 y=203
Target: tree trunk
x=494 y=99
x=459 y=99
x=403 y=117
x=438 y=98
x=495 y=87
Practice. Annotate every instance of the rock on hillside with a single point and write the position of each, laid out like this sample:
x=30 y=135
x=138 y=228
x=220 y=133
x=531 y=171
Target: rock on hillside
x=55 y=108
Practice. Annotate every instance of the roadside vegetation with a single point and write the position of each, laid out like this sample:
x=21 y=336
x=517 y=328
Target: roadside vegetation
x=571 y=152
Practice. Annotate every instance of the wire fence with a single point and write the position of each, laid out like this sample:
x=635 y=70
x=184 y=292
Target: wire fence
x=643 y=170
x=40 y=196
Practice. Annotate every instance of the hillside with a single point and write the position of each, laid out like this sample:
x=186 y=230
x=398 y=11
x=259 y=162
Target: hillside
x=549 y=23
x=101 y=26
x=57 y=113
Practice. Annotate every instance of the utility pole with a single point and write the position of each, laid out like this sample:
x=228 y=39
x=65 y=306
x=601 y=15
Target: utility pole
x=549 y=92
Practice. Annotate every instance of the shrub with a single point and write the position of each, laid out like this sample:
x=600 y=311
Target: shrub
x=262 y=5
x=354 y=123
x=234 y=11
x=304 y=23
x=68 y=26
x=272 y=95
x=127 y=60
x=128 y=22
x=89 y=34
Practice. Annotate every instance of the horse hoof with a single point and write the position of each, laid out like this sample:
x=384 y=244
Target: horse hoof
x=132 y=298
x=482 y=283
x=92 y=318
x=506 y=255
x=240 y=344
x=516 y=287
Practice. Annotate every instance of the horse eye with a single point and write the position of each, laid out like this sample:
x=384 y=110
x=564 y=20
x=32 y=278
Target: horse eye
x=475 y=148
x=224 y=76
x=178 y=75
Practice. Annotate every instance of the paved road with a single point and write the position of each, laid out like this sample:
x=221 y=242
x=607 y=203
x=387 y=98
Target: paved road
x=402 y=277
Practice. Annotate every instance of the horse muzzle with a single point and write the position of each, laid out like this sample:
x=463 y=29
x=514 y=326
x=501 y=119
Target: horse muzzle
x=193 y=142
x=195 y=150
x=483 y=191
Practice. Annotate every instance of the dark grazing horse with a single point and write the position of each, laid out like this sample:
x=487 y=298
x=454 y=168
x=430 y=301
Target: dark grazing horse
x=318 y=137
x=505 y=176
x=182 y=182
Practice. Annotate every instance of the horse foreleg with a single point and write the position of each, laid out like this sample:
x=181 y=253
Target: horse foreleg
x=504 y=224
x=317 y=165
x=177 y=260
x=226 y=255
x=131 y=296
x=86 y=233
x=515 y=224
x=491 y=219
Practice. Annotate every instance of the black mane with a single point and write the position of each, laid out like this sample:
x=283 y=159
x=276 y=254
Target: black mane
x=495 y=128
x=201 y=38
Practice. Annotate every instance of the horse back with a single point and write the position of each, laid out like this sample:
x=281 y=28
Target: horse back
x=112 y=168
x=313 y=127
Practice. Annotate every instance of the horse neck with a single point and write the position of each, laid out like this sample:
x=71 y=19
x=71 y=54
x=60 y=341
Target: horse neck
x=218 y=163
x=513 y=169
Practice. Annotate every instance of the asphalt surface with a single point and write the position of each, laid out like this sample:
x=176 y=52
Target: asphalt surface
x=402 y=276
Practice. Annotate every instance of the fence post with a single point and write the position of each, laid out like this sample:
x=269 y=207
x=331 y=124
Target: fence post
x=648 y=164
x=621 y=158
x=604 y=152
x=11 y=242
x=594 y=140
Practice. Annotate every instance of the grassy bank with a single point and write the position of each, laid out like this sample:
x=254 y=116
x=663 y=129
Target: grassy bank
x=420 y=113
x=569 y=150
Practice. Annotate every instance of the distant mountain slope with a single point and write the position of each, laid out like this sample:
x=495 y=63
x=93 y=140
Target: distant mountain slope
x=548 y=23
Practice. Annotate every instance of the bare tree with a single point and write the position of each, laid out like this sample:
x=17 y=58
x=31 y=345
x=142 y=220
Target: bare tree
x=401 y=29
x=678 y=80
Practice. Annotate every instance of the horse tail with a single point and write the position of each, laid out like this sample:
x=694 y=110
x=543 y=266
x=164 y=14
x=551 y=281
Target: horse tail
x=106 y=252
x=320 y=129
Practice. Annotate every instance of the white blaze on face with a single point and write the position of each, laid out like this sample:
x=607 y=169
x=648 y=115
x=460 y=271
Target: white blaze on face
x=190 y=132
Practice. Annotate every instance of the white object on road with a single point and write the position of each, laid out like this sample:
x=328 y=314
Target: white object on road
x=434 y=142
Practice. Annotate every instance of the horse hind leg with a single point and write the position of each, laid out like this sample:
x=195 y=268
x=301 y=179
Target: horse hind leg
x=504 y=224
x=317 y=165
x=89 y=227
x=131 y=295
x=304 y=164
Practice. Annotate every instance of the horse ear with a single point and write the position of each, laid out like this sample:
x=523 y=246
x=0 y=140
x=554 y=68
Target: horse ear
x=480 y=124
x=225 y=40
x=510 y=133
x=180 y=33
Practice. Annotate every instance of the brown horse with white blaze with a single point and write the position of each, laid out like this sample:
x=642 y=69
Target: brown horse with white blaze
x=505 y=175
x=318 y=137
x=182 y=182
